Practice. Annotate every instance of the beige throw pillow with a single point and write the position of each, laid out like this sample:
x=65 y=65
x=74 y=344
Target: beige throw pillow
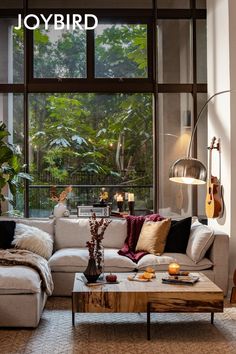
x=33 y=239
x=200 y=239
x=153 y=236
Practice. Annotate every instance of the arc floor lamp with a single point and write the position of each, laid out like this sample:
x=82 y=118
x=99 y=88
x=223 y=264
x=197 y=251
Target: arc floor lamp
x=189 y=170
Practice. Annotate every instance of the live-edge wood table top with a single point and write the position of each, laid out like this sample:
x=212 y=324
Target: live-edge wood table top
x=155 y=285
x=133 y=296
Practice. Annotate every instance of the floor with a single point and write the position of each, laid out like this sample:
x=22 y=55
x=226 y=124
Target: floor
x=122 y=333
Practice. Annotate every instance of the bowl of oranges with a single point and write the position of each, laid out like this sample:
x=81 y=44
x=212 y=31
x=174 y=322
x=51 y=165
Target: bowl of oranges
x=147 y=275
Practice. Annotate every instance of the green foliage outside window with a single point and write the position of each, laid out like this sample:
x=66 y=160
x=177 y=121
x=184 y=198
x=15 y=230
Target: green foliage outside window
x=104 y=135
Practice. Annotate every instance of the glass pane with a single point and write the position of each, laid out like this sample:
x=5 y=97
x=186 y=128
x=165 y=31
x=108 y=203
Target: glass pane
x=202 y=143
x=175 y=122
x=201 y=51
x=11 y=52
x=59 y=53
x=174 y=51
x=91 y=141
x=173 y=4
x=201 y=4
x=121 y=51
x=11 y=113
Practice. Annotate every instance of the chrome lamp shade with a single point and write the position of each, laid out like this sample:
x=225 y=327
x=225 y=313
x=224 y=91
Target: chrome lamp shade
x=188 y=171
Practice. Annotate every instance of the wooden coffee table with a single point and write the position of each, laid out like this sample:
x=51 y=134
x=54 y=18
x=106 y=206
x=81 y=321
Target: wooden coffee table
x=153 y=296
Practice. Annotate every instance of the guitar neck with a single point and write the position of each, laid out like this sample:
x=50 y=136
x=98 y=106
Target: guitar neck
x=209 y=166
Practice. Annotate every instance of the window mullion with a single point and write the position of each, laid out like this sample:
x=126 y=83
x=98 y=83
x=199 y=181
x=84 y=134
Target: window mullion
x=90 y=51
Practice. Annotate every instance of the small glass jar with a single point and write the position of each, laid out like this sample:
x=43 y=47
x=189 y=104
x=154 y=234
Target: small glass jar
x=173 y=268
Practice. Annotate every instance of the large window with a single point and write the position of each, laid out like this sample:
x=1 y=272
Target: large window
x=88 y=140
x=112 y=107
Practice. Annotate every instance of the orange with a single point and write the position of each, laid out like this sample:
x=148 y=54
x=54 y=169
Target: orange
x=150 y=270
x=147 y=275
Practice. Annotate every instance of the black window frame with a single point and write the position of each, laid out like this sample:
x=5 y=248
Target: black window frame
x=110 y=85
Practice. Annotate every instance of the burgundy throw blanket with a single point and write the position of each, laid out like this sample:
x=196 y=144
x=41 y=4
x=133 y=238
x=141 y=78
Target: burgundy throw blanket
x=134 y=226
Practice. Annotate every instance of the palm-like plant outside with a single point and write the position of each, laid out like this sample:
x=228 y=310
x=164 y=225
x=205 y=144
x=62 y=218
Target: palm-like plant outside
x=11 y=168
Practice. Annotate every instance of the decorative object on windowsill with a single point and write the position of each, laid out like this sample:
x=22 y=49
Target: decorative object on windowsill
x=60 y=209
x=120 y=202
x=88 y=210
x=95 y=248
x=10 y=167
x=66 y=213
x=131 y=203
x=173 y=268
x=189 y=170
x=103 y=197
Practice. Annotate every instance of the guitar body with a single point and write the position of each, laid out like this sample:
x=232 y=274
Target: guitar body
x=213 y=205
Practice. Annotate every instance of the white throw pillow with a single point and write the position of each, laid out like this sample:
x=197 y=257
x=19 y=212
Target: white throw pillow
x=200 y=239
x=33 y=239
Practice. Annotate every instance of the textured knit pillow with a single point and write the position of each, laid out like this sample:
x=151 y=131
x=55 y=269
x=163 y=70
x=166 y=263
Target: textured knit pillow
x=7 y=229
x=178 y=236
x=33 y=239
x=201 y=238
x=153 y=236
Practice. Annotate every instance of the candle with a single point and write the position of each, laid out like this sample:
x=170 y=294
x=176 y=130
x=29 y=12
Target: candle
x=130 y=197
x=119 y=198
x=173 y=268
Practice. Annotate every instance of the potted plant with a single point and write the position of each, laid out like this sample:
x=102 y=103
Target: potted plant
x=11 y=168
x=61 y=199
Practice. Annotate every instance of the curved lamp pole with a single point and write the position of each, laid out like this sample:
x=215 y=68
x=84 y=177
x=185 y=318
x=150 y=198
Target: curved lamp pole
x=189 y=170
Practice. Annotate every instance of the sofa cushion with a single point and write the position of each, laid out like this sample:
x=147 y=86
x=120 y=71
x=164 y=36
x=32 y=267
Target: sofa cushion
x=200 y=240
x=153 y=235
x=75 y=233
x=160 y=263
x=44 y=225
x=19 y=280
x=178 y=236
x=7 y=230
x=33 y=239
x=76 y=260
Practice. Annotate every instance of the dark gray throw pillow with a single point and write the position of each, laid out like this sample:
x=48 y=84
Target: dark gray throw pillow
x=7 y=231
x=177 y=239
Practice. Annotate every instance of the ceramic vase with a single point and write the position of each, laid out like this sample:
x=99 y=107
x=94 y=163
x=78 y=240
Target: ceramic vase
x=91 y=273
x=59 y=210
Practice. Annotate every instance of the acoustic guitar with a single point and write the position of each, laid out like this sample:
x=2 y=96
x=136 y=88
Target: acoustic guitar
x=213 y=205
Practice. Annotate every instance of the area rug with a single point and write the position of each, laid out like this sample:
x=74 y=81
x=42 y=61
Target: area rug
x=122 y=333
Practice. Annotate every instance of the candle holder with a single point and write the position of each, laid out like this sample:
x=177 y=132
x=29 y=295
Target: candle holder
x=120 y=206
x=131 y=208
x=173 y=268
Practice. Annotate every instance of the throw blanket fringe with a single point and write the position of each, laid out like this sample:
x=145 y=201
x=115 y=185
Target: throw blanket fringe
x=11 y=257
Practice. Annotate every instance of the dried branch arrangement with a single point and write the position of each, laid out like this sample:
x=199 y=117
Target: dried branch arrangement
x=97 y=230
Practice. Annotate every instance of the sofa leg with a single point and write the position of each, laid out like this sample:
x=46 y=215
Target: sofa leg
x=233 y=295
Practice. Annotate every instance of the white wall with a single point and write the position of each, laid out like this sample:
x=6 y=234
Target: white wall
x=221 y=50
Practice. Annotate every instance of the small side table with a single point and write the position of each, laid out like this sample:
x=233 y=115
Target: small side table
x=233 y=292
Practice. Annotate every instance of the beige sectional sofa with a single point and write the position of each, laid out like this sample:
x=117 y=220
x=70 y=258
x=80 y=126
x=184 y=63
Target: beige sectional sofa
x=21 y=297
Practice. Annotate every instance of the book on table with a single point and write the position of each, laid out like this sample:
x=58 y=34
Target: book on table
x=180 y=280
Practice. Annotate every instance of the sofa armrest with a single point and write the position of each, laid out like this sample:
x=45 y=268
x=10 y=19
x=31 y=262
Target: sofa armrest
x=219 y=256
